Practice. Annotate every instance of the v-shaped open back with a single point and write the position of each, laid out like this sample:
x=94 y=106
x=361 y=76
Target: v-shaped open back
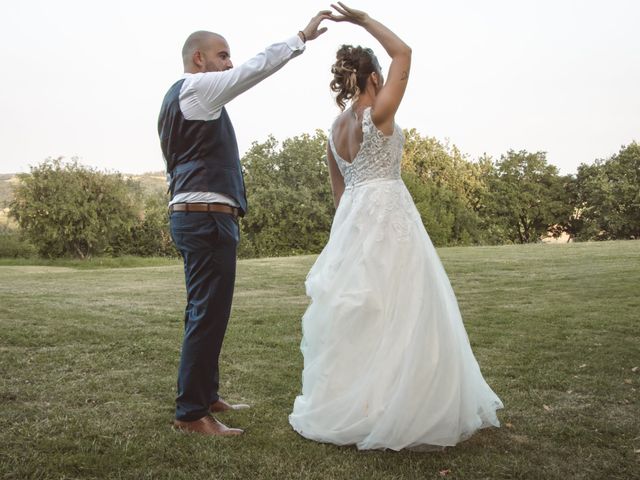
x=353 y=130
x=337 y=156
x=379 y=155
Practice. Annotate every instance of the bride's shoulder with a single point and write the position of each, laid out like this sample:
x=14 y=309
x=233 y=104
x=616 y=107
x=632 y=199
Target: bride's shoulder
x=340 y=125
x=372 y=123
x=341 y=120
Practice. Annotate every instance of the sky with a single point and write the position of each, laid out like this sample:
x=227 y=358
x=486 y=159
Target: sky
x=86 y=79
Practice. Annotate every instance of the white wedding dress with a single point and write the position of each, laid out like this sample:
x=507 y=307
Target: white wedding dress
x=387 y=361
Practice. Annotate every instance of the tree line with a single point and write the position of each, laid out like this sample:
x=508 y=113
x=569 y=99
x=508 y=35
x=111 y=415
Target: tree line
x=65 y=209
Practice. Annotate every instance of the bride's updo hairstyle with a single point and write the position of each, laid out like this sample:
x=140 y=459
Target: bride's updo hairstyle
x=350 y=72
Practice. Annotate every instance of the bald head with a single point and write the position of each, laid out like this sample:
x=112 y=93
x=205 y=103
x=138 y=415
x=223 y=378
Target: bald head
x=206 y=52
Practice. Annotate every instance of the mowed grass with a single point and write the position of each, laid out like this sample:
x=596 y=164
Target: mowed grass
x=89 y=358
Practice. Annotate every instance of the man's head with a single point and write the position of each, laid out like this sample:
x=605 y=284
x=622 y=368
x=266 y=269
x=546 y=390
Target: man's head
x=206 y=52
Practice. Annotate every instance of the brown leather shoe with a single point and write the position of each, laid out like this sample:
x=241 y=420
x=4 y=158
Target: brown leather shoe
x=206 y=425
x=222 y=406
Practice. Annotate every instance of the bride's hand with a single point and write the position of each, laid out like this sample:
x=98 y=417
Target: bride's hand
x=350 y=15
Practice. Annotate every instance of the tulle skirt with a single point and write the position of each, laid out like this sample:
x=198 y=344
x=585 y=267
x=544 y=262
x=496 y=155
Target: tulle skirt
x=387 y=361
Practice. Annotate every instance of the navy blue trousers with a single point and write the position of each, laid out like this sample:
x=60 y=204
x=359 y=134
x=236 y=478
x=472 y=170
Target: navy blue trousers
x=208 y=243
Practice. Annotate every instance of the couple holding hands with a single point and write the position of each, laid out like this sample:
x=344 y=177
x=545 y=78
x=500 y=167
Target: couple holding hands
x=387 y=361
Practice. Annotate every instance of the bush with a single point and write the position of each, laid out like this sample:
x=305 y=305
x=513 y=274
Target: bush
x=65 y=209
x=289 y=196
x=151 y=235
x=13 y=245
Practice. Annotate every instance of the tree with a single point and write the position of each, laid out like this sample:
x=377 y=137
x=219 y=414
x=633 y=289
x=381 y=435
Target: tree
x=68 y=209
x=608 y=196
x=528 y=198
x=13 y=245
x=447 y=188
x=150 y=235
x=289 y=197
x=439 y=208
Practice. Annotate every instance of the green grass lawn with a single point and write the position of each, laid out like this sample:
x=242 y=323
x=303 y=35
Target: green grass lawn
x=89 y=357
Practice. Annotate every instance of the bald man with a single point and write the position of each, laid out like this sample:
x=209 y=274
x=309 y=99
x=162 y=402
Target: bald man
x=207 y=197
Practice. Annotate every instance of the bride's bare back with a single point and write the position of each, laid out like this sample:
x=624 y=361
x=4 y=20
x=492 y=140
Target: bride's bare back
x=347 y=134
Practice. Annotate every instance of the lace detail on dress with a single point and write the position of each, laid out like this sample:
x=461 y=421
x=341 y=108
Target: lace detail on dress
x=379 y=157
x=386 y=210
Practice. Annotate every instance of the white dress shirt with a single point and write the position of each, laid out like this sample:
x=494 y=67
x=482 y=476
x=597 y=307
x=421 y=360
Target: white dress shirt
x=203 y=95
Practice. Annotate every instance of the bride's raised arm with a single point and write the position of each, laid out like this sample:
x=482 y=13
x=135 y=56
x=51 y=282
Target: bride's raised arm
x=389 y=97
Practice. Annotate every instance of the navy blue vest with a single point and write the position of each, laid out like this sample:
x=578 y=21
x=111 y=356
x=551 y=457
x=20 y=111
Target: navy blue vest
x=201 y=155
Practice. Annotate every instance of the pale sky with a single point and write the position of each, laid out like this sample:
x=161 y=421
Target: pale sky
x=86 y=79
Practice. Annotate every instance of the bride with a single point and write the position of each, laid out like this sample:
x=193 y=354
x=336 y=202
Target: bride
x=387 y=361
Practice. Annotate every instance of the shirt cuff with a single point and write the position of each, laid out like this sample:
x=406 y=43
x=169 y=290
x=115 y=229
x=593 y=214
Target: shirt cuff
x=295 y=43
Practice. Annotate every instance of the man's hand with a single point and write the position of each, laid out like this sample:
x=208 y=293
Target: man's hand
x=350 y=15
x=311 y=31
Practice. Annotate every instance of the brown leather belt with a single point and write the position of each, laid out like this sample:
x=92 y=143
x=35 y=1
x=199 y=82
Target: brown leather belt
x=204 y=207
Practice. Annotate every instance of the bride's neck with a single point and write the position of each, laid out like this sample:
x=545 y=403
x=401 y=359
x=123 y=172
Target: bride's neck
x=361 y=105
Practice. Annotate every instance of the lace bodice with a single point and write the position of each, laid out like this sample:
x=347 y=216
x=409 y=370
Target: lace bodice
x=379 y=156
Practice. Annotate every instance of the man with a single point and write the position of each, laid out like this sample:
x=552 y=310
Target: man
x=207 y=196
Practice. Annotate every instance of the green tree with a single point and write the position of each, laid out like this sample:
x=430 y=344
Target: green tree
x=437 y=206
x=447 y=188
x=13 y=245
x=528 y=198
x=608 y=196
x=65 y=209
x=289 y=196
x=151 y=235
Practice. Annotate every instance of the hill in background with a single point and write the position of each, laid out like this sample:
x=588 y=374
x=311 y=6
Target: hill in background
x=6 y=182
x=151 y=182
